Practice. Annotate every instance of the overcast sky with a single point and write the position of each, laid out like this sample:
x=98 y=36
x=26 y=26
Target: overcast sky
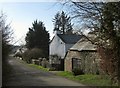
x=22 y=14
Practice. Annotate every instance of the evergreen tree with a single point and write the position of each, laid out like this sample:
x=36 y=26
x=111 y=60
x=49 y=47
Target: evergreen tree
x=56 y=22
x=62 y=23
x=38 y=37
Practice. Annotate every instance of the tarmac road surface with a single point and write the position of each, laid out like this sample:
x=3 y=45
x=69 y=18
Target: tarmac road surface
x=24 y=75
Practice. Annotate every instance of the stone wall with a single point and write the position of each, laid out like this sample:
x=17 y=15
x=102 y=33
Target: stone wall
x=56 y=62
x=42 y=62
x=89 y=61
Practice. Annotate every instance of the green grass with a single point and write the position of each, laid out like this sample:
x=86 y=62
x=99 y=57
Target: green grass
x=39 y=67
x=96 y=80
x=66 y=74
x=87 y=79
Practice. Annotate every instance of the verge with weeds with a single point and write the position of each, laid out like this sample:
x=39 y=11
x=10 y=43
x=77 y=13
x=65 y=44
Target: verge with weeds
x=39 y=67
x=88 y=79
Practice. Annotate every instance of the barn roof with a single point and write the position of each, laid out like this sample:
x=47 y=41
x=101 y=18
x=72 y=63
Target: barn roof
x=83 y=45
x=69 y=38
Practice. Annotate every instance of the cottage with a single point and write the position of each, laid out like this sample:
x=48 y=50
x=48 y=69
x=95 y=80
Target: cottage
x=19 y=51
x=59 y=46
x=83 y=55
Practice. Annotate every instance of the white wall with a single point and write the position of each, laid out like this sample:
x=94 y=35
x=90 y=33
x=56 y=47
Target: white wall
x=57 y=46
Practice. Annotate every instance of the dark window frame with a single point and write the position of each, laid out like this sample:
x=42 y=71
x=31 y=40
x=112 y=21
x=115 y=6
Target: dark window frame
x=76 y=63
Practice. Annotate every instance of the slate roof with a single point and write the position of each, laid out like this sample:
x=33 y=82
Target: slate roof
x=83 y=45
x=69 y=38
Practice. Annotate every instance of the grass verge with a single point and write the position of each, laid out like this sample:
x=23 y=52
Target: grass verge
x=39 y=67
x=87 y=79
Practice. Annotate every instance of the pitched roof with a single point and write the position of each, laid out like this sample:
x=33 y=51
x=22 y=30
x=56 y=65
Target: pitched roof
x=83 y=44
x=69 y=38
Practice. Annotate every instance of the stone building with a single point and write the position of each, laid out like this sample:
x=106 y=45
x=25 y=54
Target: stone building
x=83 y=55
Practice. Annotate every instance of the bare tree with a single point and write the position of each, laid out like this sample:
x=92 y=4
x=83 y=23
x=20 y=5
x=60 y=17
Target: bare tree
x=102 y=19
x=6 y=34
x=6 y=37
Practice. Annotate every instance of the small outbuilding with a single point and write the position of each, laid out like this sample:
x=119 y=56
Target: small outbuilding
x=83 y=55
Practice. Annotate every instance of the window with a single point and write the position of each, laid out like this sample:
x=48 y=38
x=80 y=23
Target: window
x=76 y=63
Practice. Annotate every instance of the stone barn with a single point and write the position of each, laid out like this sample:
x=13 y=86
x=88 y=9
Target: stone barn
x=83 y=55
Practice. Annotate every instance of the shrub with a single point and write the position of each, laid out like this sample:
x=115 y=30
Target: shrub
x=18 y=54
x=26 y=56
x=34 y=53
x=77 y=71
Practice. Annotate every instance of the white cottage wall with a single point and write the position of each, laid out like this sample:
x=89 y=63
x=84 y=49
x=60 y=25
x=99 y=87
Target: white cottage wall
x=57 y=47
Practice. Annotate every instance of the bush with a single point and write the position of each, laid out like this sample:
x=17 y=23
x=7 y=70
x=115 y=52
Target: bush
x=34 y=53
x=77 y=71
x=26 y=56
x=18 y=54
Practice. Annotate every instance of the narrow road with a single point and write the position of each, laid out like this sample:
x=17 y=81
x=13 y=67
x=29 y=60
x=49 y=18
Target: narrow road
x=25 y=75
